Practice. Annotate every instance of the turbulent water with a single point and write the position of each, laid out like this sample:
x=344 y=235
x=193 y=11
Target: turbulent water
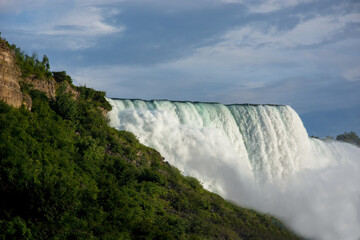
x=259 y=156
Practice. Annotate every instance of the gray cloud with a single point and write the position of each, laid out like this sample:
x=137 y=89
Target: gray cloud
x=301 y=53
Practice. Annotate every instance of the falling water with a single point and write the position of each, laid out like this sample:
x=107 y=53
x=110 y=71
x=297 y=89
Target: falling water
x=259 y=156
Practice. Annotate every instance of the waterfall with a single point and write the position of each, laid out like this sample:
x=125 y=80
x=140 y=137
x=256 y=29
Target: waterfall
x=259 y=156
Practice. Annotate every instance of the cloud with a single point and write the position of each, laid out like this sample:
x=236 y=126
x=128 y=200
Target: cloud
x=352 y=74
x=255 y=62
x=63 y=24
x=274 y=5
x=208 y=50
x=267 y=6
x=308 y=32
x=200 y=78
x=84 y=21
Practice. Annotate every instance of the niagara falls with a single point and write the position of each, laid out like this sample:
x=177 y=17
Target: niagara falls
x=259 y=156
x=180 y=120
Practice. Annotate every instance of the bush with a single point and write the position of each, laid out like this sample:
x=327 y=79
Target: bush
x=64 y=104
x=61 y=77
x=349 y=137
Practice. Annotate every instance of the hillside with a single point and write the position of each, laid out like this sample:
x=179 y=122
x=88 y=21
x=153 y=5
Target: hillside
x=65 y=174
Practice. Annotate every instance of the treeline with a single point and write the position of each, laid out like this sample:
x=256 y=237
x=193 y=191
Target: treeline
x=30 y=66
x=349 y=137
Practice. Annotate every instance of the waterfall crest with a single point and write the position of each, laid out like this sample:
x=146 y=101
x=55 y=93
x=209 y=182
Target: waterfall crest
x=257 y=155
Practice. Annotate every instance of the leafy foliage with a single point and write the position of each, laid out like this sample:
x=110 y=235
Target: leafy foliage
x=30 y=66
x=62 y=77
x=64 y=104
x=95 y=97
x=349 y=137
x=65 y=174
x=70 y=176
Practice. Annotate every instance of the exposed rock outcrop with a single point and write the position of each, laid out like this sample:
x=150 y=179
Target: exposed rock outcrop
x=47 y=86
x=11 y=79
x=10 y=76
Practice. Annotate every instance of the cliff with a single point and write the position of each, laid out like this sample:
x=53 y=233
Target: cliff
x=11 y=80
x=10 y=77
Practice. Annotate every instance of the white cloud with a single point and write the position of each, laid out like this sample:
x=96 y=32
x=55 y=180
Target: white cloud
x=309 y=32
x=267 y=6
x=245 y=62
x=251 y=55
x=246 y=59
x=88 y=21
x=274 y=5
x=64 y=23
x=352 y=74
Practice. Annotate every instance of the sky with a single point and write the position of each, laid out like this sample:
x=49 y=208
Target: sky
x=302 y=53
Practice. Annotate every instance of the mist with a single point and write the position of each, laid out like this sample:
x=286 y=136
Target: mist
x=257 y=156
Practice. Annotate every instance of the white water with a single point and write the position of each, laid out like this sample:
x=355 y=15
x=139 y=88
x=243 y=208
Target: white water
x=258 y=156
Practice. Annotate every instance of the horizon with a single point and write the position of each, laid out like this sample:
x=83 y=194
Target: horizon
x=305 y=54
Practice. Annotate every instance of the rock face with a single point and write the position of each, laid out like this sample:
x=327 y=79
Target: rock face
x=10 y=77
x=47 y=86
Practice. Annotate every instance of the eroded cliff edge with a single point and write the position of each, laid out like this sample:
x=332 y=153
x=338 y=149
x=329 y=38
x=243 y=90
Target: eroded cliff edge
x=12 y=80
x=10 y=77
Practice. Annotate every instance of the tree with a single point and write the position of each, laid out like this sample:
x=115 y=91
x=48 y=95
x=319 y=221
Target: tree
x=64 y=104
x=349 y=137
x=46 y=63
x=61 y=77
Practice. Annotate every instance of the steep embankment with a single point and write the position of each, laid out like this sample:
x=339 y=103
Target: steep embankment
x=65 y=174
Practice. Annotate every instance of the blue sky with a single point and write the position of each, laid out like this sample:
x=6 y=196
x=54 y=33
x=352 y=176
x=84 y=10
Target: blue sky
x=303 y=53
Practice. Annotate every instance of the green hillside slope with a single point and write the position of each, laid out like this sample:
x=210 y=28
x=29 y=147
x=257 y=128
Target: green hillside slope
x=65 y=174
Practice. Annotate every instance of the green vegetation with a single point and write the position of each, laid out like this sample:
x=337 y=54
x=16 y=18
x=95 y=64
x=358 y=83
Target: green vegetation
x=65 y=174
x=97 y=98
x=62 y=77
x=349 y=137
x=30 y=66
